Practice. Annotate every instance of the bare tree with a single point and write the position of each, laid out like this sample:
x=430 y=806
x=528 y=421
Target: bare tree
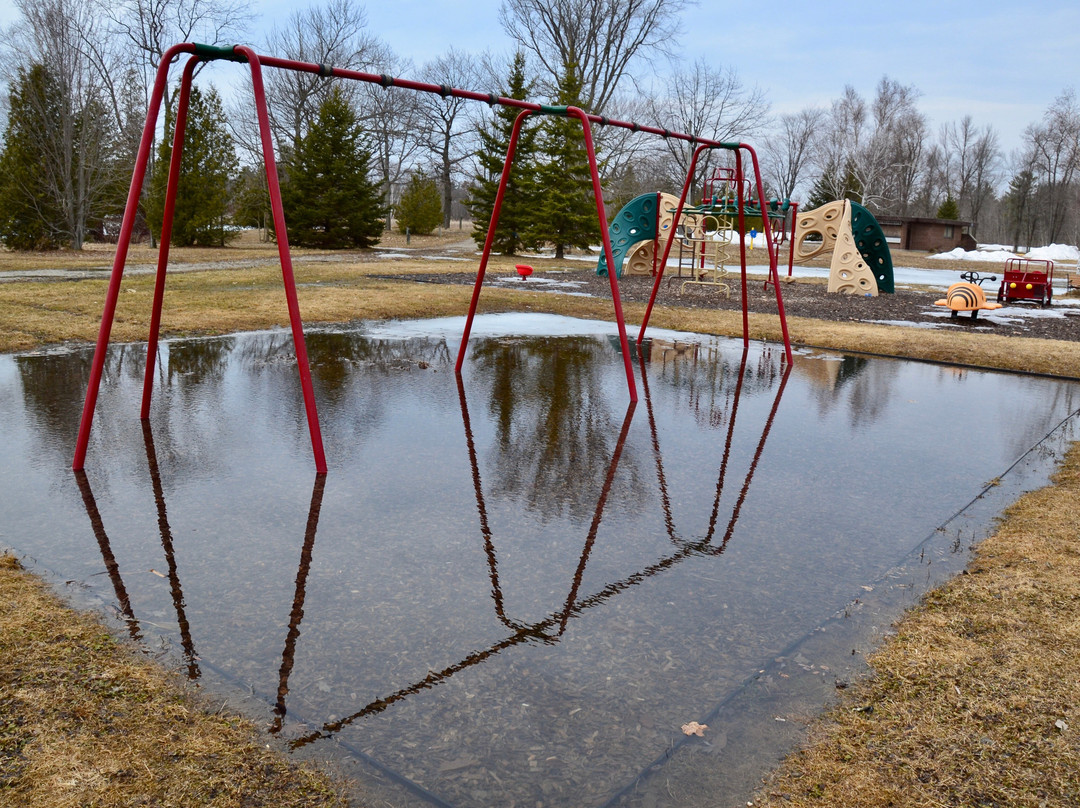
x=449 y=131
x=633 y=164
x=887 y=160
x=602 y=38
x=973 y=165
x=154 y=26
x=874 y=152
x=986 y=176
x=791 y=152
x=392 y=117
x=1055 y=148
x=839 y=138
x=710 y=102
x=76 y=139
x=334 y=34
x=931 y=187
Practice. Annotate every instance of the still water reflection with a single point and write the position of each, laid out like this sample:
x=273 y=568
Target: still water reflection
x=514 y=589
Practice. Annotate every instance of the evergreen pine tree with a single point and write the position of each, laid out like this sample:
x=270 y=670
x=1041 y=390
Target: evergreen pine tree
x=207 y=168
x=820 y=194
x=420 y=208
x=250 y=200
x=566 y=208
x=329 y=200
x=25 y=208
x=519 y=200
x=58 y=167
x=949 y=209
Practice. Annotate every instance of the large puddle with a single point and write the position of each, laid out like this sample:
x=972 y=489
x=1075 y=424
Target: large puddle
x=516 y=590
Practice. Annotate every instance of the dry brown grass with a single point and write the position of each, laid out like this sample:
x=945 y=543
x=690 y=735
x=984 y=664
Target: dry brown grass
x=249 y=246
x=86 y=721
x=964 y=704
x=225 y=300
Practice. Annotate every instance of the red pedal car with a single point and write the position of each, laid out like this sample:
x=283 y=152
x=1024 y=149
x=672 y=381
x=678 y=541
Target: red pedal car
x=1027 y=279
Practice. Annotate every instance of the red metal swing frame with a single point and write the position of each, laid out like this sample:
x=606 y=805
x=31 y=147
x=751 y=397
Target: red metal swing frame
x=239 y=53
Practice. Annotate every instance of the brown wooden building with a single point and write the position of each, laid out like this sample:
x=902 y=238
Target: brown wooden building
x=926 y=235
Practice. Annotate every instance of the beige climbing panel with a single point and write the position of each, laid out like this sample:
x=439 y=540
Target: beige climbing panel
x=848 y=273
x=825 y=222
x=639 y=259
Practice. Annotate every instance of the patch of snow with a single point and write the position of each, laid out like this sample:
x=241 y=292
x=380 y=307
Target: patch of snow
x=515 y=324
x=1055 y=253
x=1009 y=315
x=1000 y=253
x=981 y=254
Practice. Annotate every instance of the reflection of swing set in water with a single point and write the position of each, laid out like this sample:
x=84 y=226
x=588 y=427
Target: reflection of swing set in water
x=547 y=630
x=127 y=613
x=553 y=626
x=204 y=53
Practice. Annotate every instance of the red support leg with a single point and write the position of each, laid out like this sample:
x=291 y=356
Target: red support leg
x=741 y=201
x=773 y=272
x=671 y=239
x=602 y=215
x=490 y=239
x=122 y=245
x=166 y=232
x=286 y=258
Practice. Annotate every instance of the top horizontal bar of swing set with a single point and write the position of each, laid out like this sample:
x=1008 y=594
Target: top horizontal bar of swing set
x=213 y=52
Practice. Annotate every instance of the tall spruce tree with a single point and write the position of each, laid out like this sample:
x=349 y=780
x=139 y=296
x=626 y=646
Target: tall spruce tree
x=420 y=209
x=58 y=167
x=329 y=200
x=949 y=209
x=519 y=201
x=566 y=207
x=207 y=168
x=25 y=207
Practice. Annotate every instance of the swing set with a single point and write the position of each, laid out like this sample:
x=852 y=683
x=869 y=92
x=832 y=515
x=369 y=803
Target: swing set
x=243 y=54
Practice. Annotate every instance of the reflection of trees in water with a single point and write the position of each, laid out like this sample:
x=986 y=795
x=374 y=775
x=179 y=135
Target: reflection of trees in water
x=554 y=427
x=337 y=357
x=198 y=361
x=704 y=377
x=54 y=387
x=1061 y=399
x=350 y=373
x=864 y=387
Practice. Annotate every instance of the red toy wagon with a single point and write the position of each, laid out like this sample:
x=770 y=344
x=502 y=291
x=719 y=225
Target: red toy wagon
x=1027 y=279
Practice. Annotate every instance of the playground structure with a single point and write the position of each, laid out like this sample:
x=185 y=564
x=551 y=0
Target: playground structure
x=199 y=53
x=861 y=261
x=1027 y=279
x=649 y=224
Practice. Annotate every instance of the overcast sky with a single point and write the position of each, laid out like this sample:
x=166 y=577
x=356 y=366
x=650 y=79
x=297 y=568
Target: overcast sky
x=1003 y=63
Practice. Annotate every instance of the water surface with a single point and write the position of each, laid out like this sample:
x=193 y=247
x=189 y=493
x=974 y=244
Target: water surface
x=515 y=589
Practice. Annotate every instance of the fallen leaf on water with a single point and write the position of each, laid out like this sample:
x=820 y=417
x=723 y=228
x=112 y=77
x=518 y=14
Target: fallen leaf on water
x=694 y=728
